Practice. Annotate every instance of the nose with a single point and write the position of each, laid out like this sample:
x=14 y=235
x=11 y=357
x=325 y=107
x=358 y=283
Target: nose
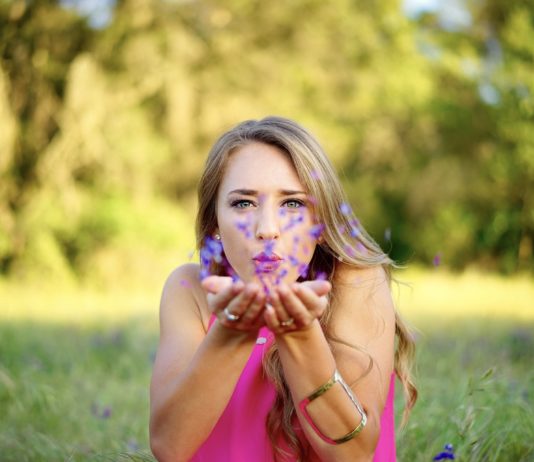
x=267 y=225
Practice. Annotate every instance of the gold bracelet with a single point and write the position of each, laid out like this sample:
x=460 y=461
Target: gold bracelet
x=320 y=391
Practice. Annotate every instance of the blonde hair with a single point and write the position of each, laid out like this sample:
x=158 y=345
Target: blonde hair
x=343 y=239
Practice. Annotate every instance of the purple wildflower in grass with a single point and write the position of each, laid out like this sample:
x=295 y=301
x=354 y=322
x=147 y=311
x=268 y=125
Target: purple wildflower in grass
x=448 y=453
x=436 y=261
x=104 y=414
x=387 y=234
x=345 y=208
x=132 y=445
x=317 y=230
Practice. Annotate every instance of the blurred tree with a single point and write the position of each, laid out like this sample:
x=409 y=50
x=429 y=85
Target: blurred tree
x=38 y=40
x=428 y=120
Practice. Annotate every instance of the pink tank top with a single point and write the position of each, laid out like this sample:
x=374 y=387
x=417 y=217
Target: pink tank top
x=240 y=434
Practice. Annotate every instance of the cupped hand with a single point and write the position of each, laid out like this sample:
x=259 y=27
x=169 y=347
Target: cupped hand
x=237 y=305
x=294 y=307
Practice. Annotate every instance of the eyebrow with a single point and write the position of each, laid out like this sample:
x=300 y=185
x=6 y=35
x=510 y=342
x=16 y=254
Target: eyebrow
x=253 y=192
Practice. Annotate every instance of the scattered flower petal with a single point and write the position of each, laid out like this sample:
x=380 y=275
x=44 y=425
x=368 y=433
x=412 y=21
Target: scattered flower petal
x=345 y=208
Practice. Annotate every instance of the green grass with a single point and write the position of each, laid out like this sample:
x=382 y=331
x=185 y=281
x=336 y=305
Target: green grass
x=75 y=369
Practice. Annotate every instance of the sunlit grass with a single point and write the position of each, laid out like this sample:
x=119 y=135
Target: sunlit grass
x=421 y=294
x=439 y=293
x=75 y=369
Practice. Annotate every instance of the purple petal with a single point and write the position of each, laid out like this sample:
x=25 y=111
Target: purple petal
x=350 y=251
x=317 y=230
x=345 y=208
x=294 y=261
x=321 y=276
x=303 y=270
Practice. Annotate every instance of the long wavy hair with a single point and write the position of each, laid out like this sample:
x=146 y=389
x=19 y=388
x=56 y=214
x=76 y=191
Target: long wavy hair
x=343 y=240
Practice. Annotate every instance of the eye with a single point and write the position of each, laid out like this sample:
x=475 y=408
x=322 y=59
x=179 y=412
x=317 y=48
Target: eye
x=242 y=204
x=294 y=203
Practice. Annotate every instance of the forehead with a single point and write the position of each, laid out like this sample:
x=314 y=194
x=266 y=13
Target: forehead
x=260 y=166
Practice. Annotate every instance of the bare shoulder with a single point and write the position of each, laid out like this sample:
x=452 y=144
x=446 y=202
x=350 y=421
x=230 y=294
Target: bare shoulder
x=366 y=277
x=362 y=303
x=183 y=296
x=183 y=324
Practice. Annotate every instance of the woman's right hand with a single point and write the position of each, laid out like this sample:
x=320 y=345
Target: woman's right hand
x=228 y=299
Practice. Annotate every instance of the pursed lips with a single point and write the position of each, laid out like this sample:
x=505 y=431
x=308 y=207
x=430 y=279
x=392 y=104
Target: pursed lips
x=267 y=263
x=266 y=257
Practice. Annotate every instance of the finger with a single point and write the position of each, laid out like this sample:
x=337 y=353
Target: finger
x=278 y=305
x=251 y=307
x=271 y=319
x=319 y=287
x=223 y=298
x=214 y=284
x=301 y=314
x=314 y=303
x=241 y=305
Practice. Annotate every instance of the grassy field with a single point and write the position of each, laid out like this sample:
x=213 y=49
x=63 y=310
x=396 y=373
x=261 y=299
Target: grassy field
x=75 y=368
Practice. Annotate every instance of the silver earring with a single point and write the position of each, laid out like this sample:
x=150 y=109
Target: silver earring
x=217 y=237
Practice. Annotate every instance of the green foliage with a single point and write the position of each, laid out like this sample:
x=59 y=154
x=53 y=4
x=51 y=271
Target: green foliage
x=73 y=393
x=431 y=128
x=475 y=392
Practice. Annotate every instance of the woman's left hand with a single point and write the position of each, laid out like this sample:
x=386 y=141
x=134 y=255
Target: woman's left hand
x=294 y=307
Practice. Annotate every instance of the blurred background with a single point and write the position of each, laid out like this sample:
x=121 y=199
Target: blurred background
x=107 y=111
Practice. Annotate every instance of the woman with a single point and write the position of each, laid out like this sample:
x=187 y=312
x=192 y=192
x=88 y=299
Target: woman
x=281 y=345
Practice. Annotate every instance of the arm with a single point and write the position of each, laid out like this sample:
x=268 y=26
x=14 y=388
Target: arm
x=364 y=316
x=184 y=372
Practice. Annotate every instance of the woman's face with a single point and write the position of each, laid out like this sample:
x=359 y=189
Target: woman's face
x=265 y=216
